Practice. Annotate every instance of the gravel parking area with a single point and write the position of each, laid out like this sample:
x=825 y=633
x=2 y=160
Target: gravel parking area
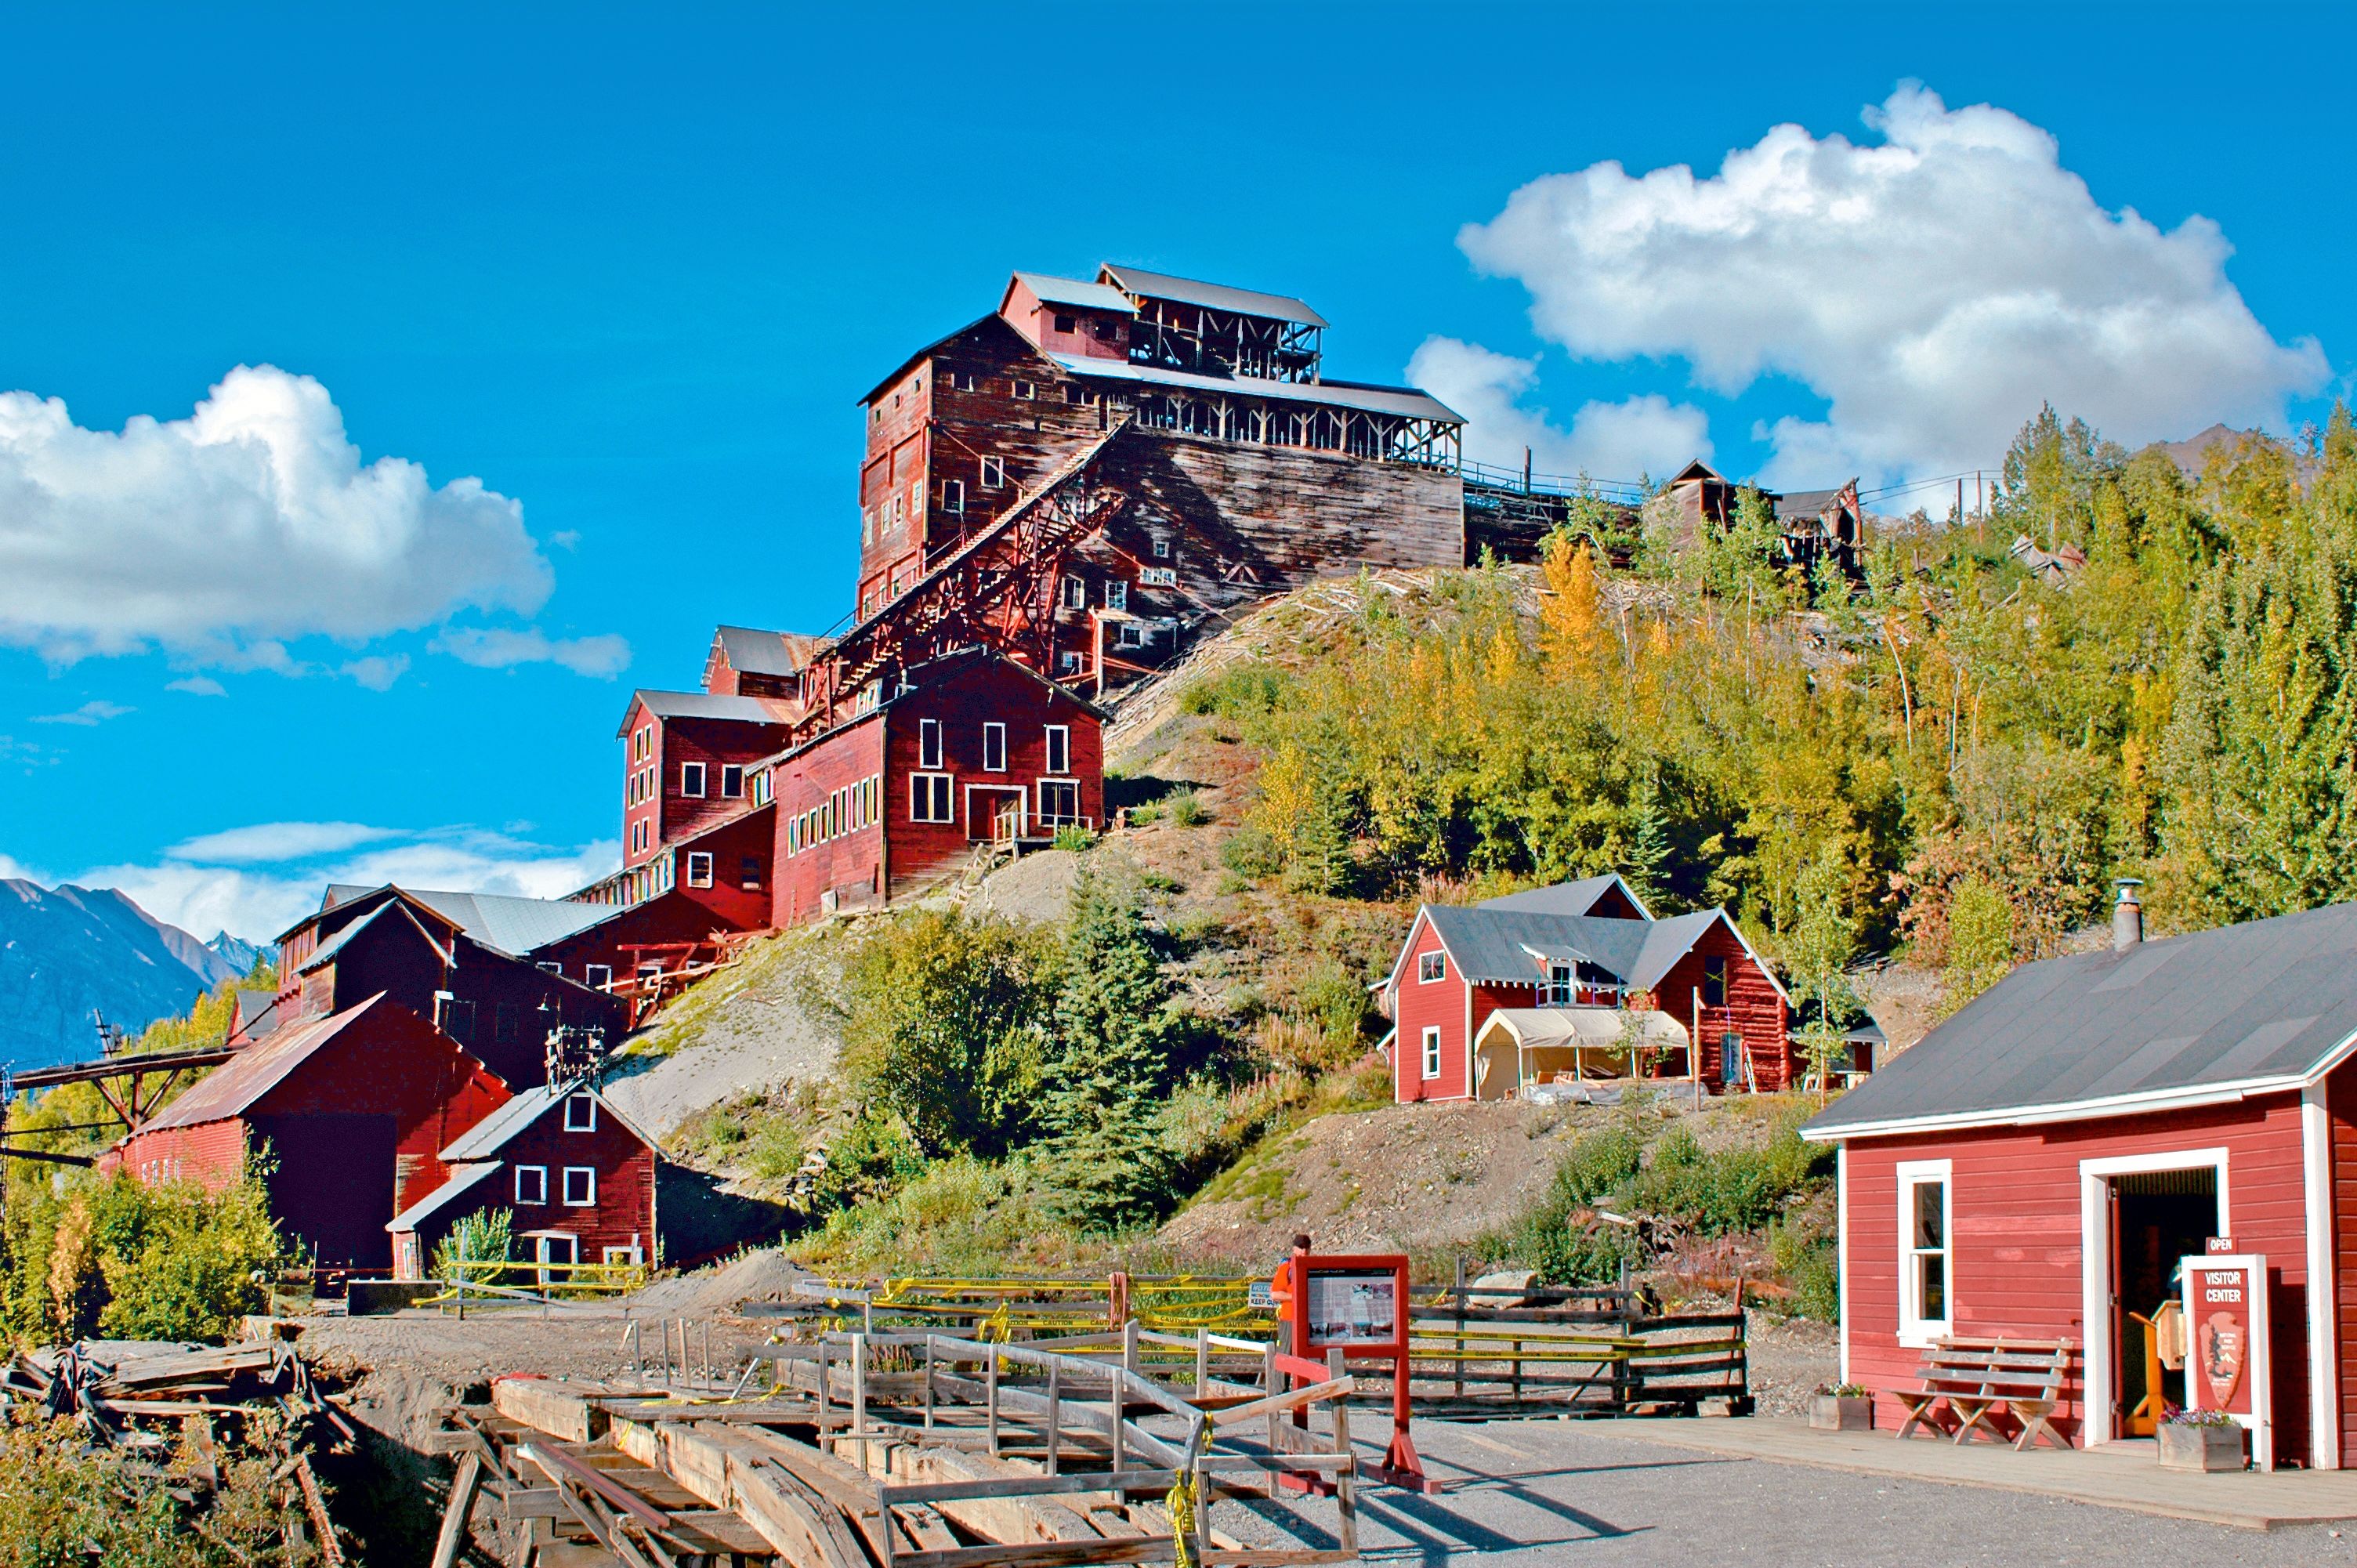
x=1593 y=1493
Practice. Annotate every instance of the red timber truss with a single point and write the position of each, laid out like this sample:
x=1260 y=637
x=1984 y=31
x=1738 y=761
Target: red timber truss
x=134 y=1087
x=997 y=590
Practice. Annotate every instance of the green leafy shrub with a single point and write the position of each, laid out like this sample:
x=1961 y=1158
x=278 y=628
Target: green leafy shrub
x=1187 y=808
x=1074 y=836
x=119 y=1258
x=486 y=1236
x=1739 y=1188
x=1239 y=691
x=1559 y=1236
x=62 y=1503
x=1252 y=855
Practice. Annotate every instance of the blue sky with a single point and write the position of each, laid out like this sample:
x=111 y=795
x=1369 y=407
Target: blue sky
x=627 y=271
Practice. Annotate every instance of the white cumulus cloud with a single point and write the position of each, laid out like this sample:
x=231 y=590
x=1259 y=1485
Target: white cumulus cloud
x=197 y=686
x=1933 y=287
x=496 y=648
x=277 y=841
x=251 y=521
x=88 y=715
x=1645 y=435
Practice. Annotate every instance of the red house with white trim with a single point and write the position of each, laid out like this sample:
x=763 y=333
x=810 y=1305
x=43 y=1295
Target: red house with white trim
x=579 y=1175
x=1485 y=997
x=355 y=1106
x=2036 y=1166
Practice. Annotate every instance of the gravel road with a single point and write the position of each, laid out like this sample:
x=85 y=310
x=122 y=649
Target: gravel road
x=1598 y=1496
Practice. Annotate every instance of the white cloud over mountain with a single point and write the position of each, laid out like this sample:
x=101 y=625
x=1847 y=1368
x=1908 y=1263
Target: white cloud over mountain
x=250 y=523
x=1605 y=441
x=1933 y=287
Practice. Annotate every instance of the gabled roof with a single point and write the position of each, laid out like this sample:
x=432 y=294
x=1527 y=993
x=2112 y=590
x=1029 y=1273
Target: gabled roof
x=1138 y=281
x=937 y=345
x=2206 y=1018
x=461 y=1179
x=1404 y=401
x=752 y=651
x=1579 y=898
x=1697 y=469
x=707 y=705
x=1813 y=503
x=1050 y=290
x=510 y=925
x=257 y=1013
x=231 y=1089
x=1502 y=944
x=486 y=1138
x=393 y=911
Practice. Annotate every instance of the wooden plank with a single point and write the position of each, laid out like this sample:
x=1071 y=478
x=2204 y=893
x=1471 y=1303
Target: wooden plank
x=786 y=1521
x=1047 y=1554
x=463 y=1487
x=1335 y=1388
x=546 y=1405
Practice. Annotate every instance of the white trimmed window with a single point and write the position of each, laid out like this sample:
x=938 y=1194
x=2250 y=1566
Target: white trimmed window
x=1059 y=748
x=994 y=473
x=1559 y=985
x=929 y=742
x=1431 y=966
x=1076 y=593
x=732 y=782
x=691 y=780
x=580 y=1187
x=581 y=1113
x=1059 y=802
x=597 y=976
x=1116 y=594
x=1432 y=1050
x=994 y=748
x=531 y=1184
x=928 y=798
x=953 y=495
x=1926 y=1279
x=699 y=868
x=1025 y=391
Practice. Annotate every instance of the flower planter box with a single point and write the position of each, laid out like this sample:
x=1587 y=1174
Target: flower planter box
x=1840 y=1412
x=2201 y=1447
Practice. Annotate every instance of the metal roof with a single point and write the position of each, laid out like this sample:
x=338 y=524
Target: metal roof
x=1405 y=401
x=1138 y=281
x=1567 y=897
x=2263 y=1006
x=752 y=651
x=707 y=705
x=231 y=1089
x=1072 y=291
x=1513 y=946
x=390 y=910
x=512 y=925
x=461 y=1178
x=486 y=1138
x=1808 y=503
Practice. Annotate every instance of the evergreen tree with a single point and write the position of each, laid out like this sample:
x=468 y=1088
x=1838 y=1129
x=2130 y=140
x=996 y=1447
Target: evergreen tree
x=1646 y=865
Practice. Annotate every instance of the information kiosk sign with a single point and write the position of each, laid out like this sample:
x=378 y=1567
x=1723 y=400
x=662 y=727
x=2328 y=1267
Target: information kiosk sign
x=2226 y=1366
x=1356 y=1305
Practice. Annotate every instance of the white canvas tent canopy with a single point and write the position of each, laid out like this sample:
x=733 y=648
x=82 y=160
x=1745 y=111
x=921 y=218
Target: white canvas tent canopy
x=1519 y=1046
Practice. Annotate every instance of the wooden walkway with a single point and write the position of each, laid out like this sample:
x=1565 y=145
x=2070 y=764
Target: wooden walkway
x=2118 y=1475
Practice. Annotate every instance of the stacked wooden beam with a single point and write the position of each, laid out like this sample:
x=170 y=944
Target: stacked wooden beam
x=907 y=1451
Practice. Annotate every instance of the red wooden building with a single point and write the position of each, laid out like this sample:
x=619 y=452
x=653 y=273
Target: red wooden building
x=463 y=961
x=973 y=747
x=1491 y=1000
x=686 y=758
x=2036 y=1166
x=355 y=1108
x=578 y=1176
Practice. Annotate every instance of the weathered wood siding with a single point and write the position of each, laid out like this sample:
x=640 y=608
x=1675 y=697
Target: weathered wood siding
x=622 y=1216
x=847 y=864
x=2015 y=1204
x=1754 y=1010
x=717 y=744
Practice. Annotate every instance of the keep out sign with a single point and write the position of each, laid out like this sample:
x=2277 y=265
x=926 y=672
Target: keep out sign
x=2226 y=1322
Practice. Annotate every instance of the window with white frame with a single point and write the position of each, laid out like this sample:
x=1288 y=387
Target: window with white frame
x=699 y=868
x=581 y=1113
x=1559 y=985
x=1926 y=1255
x=1075 y=591
x=1116 y=594
x=691 y=780
x=994 y=473
x=994 y=748
x=1129 y=634
x=597 y=976
x=953 y=495
x=1432 y=1050
x=1431 y=966
x=928 y=798
x=1068 y=662
x=617 y=1256
x=732 y=782
x=580 y=1187
x=1059 y=802
x=531 y=1184
x=929 y=742
x=1059 y=748
x=1025 y=391
x=1161 y=547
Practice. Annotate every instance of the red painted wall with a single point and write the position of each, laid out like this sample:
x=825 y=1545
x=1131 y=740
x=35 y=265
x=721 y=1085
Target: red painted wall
x=212 y=1155
x=848 y=863
x=623 y=1214
x=1424 y=1004
x=2015 y=1263
x=2340 y=1107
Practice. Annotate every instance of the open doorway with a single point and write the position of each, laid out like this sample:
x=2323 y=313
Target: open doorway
x=2158 y=1218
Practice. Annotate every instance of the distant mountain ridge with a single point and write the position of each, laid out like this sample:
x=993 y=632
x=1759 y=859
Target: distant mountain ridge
x=67 y=952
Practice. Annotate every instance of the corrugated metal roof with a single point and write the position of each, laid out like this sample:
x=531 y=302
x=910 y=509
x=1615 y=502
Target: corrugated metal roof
x=1210 y=296
x=1565 y=897
x=707 y=705
x=1072 y=291
x=462 y=1178
x=486 y=1138
x=2268 y=1003
x=756 y=652
x=391 y=909
x=1505 y=945
x=237 y=1083
x=1402 y=402
x=1808 y=503
x=514 y=925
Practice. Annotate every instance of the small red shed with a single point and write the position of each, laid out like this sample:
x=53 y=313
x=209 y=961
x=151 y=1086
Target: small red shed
x=577 y=1174
x=2037 y=1165
x=354 y=1107
x=1569 y=950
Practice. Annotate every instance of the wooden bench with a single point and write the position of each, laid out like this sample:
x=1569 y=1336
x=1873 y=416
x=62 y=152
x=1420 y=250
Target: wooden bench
x=1974 y=1377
